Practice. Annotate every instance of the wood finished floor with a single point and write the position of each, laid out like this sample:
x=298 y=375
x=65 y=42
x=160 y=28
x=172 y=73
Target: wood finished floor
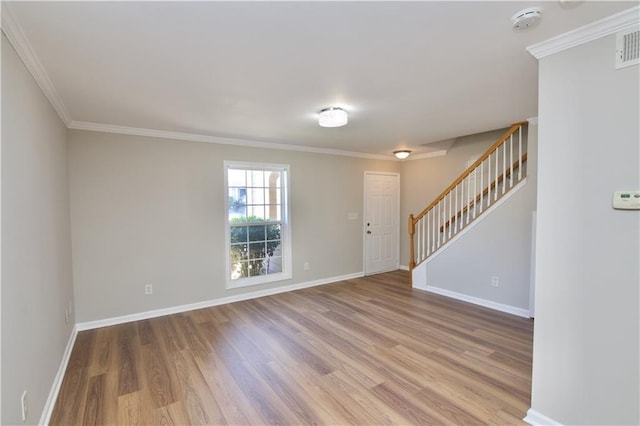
x=367 y=351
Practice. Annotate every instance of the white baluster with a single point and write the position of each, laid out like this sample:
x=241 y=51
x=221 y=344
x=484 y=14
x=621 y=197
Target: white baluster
x=475 y=192
x=511 y=176
x=438 y=206
x=469 y=195
x=422 y=238
x=419 y=242
x=443 y=234
x=433 y=233
x=456 y=210
x=450 y=210
x=429 y=233
x=481 y=185
x=504 y=167
x=520 y=154
x=416 y=242
x=495 y=192
x=489 y=180
x=461 y=203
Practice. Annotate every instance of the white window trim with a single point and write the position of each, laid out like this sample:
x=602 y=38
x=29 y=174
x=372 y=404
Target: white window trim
x=285 y=232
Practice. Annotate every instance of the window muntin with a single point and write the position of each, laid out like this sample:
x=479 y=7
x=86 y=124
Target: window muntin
x=257 y=228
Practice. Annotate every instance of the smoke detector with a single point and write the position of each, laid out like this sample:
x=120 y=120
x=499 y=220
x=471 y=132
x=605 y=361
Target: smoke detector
x=526 y=18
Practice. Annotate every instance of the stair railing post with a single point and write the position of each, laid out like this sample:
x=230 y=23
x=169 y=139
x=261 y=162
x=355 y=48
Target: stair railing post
x=412 y=258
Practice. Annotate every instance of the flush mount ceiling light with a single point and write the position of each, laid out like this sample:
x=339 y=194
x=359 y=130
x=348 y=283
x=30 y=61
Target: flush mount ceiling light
x=526 y=18
x=402 y=154
x=332 y=117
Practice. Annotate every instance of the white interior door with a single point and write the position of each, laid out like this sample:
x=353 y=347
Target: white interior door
x=381 y=222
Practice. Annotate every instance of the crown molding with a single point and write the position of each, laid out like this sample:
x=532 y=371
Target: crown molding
x=440 y=153
x=165 y=134
x=625 y=20
x=18 y=40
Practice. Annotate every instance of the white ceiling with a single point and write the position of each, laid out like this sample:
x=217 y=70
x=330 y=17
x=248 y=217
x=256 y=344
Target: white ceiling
x=409 y=73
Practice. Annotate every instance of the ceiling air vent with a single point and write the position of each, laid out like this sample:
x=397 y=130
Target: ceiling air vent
x=627 y=48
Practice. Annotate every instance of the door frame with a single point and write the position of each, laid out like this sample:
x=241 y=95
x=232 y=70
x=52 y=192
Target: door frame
x=364 y=218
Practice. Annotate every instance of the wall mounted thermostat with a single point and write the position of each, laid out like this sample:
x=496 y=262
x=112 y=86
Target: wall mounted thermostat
x=626 y=200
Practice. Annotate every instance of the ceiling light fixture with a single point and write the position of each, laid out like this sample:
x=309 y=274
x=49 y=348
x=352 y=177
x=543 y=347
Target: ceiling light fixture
x=402 y=154
x=332 y=117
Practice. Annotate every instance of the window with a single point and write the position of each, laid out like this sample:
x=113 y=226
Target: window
x=258 y=234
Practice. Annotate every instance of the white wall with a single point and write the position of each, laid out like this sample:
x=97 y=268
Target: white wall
x=585 y=356
x=36 y=252
x=151 y=211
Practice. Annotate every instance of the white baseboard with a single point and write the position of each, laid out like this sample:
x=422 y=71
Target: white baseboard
x=475 y=300
x=208 y=303
x=57 y=381
x=536 y=419
x=403 y=267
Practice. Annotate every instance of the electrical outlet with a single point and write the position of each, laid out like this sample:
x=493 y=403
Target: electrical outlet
x=306 y=266
x=495 y=281
x=148 y=289
x=66 y=316
x=25 y=406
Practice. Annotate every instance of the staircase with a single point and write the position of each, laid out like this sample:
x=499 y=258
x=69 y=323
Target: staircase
x=499 y=170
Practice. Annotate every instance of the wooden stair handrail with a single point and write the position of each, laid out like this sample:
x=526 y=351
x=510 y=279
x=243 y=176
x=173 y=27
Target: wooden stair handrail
x=514 y=127
x=485 y=192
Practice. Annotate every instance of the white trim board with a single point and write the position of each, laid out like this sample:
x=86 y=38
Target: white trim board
x=475 y=300
x=193 y=137
x=625 y=20
x=18 y=40
x=536 y=419
x=57 y=381
x=89 y=325
x=432 y=154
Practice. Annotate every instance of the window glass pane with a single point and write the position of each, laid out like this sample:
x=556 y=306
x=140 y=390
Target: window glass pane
x=237 y=199
x=255 y=268
x=273 y=248
x=239 y=252
x=238 y=234
x=272 y=212
x=255 y=212
x=257 y=233
x=271 y=195
x=273 y=232
x=239 y=269
x=257 y=250
x=236 y=177
x=273 y=179
x=256 y=178
x=237 y=215
x=255 y=196
x=273 y=265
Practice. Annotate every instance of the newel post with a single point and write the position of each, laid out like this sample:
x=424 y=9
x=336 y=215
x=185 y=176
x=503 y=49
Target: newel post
x=412 y=256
